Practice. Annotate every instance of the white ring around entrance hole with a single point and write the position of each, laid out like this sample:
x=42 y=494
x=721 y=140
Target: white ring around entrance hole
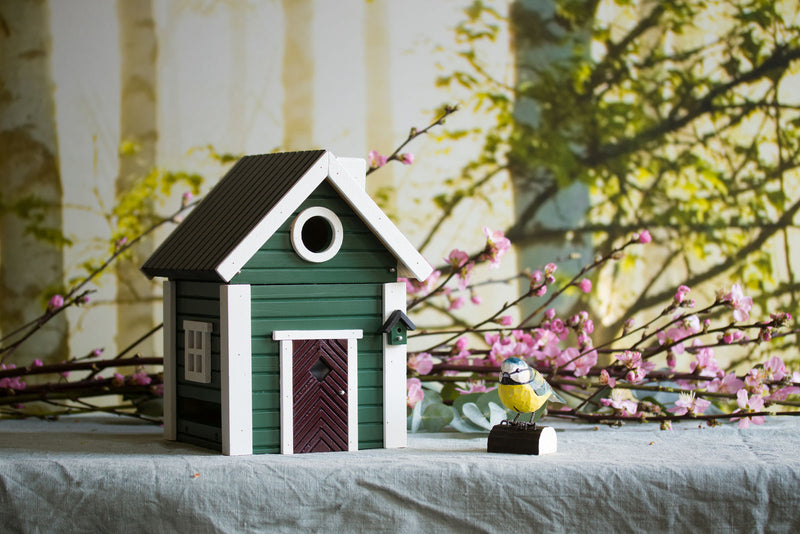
x=336 y=237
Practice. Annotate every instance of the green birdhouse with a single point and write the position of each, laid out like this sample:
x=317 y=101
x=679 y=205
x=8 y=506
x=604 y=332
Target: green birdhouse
x=396 y=328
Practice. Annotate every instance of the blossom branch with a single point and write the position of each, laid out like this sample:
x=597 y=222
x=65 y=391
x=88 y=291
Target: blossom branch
x=377 y=161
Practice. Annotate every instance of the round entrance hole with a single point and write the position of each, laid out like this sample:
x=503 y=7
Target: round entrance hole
x=317 y=234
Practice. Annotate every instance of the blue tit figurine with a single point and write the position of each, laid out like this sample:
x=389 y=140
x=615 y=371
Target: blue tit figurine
x=524 y=389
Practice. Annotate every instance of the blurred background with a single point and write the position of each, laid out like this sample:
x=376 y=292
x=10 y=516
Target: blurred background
x=579 y=123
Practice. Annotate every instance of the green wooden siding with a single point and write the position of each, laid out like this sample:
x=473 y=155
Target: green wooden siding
x=362 y=258
x=316 y=307
x=199 y=406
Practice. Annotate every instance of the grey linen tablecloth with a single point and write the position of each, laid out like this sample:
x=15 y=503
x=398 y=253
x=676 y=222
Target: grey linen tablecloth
x=106 y=474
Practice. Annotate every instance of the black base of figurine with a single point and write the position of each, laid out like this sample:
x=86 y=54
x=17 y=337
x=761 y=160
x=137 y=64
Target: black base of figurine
x=522 y=438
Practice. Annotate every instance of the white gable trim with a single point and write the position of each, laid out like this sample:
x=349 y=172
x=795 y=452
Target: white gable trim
x=273 y=220
x=328 y=166
x=372 y=215
x=170 y=355
x=286 y=337
x=394 y=373
x=235 y=370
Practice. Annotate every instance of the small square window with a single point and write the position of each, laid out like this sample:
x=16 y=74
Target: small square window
x=197 y=351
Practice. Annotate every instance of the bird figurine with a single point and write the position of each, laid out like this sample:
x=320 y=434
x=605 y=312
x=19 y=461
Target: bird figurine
x=524 y=389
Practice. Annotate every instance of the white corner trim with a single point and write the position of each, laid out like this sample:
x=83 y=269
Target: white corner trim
x=286 y=395
x=236 y=370
x=378 y=221
x=286 y=337
x=297 y=234
x=394 y=373
x=352 y=394
x=273 y=220
x=170 y=363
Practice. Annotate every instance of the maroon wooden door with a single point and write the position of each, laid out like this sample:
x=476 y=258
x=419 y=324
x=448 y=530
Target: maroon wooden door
x=320 y=395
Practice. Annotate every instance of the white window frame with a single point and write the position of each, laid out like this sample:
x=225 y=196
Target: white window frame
x=336 y=229
x=197 y=359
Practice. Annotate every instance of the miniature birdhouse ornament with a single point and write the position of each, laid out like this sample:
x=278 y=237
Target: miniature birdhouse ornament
x=284 y=320
x=523 y=390
x=396 y=328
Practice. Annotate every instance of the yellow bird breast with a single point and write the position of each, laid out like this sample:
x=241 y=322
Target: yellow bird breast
x=520 y=397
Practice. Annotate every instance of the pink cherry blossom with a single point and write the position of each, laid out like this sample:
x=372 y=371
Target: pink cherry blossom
x=619 y=402
x=585 y=363
x=705 y=363
x=475 y=299
x=457 y=258
x=585 y=285
x=459 y=261
x=406 y=159
x=680 y=295
x=414 y=392
x=606 y=379
x=558 y=327
x=638 y=367
x=505 y=320
x=456 y=303
x=782 y=393
x=186 y=198
x=416 y=288
x=55 y=302
x=671 y=336
x=733 y=336
x=775 y=369
x=422 y=362
x=375 y=159
x=496 y=247
x=728 y=384
x=747 y=404
x=37 y=362
x=644 y=237
x=140 y=378
x=474 y=387
x=741 y=304
x=688 y=403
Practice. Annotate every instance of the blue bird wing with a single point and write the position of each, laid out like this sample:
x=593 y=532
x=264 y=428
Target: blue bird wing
x=542 y=388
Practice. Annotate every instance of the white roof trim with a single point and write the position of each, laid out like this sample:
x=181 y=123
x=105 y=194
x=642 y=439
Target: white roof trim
x=374 y=217
x=327 y=166
x=273 y=220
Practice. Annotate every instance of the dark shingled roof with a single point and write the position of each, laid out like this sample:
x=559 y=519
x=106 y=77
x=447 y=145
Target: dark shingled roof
x=249 y=190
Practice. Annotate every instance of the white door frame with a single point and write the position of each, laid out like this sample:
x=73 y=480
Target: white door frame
x=286 y=337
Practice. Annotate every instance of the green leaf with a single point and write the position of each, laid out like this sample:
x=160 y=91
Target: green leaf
x=497 y=414
x=436 y=416
x=475 y=416
x=458 y=404
x=416 y=418
x=463 y=425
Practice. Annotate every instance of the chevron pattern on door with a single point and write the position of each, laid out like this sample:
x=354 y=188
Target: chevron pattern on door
x=320 y=395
